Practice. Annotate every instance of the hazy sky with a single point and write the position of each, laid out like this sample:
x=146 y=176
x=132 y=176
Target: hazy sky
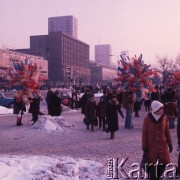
x=150 y=27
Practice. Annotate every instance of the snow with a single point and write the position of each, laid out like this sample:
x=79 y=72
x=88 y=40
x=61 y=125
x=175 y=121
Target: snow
x=44 y=167
x=28 y=167
x=61 y=148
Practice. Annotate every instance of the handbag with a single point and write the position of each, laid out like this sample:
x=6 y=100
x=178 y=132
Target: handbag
x=86 y=121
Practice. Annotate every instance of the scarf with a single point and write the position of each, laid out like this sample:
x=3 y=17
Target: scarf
x=156 y=117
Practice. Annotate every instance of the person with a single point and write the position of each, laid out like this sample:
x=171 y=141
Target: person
x=128 y=100
x=137 y=102
x=156 y=140
x=101 y=113
x=35 y=106
x=19 y=106
x=147 y=102
x=155 y=95
x=112 y=115
x=74 y=100
x=84 y=100
x=90 y=112
x=171 y=112
x=49 y=100
x=56 y=104
x=120 y=100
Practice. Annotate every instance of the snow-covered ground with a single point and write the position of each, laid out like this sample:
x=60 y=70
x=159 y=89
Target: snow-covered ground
x=61 y=148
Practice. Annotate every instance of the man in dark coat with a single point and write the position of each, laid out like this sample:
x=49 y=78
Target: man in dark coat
x=35 y=106
x=112 y=115
x=84 y=100
x=49 y=100
x=56 y=104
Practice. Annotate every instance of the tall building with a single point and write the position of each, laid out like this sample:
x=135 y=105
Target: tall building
x=62 y=52
x=102 y=54
x=65 y=24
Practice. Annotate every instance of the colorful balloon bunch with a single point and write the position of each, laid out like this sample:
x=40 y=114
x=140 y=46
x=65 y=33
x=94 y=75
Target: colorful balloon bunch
x=177 y=75
x=24 y=74
x=133 y=74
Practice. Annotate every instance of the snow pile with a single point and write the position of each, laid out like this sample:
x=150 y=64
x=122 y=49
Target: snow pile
x=49 y=123
x=4 y=110
x=45 y=167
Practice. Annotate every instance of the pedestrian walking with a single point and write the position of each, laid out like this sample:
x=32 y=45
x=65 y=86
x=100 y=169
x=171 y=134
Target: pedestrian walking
x=34 y=109
x=112 y=115
x=56 y=104
x=128 y=101
x=156 y=141
x=90 y=112
x=101 y=113
x=20 y=100
x=74 y=100
x=49 y=100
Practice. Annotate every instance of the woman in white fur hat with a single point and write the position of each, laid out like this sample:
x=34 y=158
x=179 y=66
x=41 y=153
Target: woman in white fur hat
x=156 y=140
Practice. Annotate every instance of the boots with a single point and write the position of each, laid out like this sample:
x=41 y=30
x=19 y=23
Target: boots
x=18 y=123
x=92 y=128
x=112 y=135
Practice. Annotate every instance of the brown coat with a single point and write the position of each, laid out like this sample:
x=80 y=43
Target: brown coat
x=170 y=109
x=156 y=138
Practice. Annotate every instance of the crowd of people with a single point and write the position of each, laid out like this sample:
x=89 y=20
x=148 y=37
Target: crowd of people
x=162 y=106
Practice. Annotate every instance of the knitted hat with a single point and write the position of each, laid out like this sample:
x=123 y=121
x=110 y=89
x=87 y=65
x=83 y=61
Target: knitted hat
x=156 y=105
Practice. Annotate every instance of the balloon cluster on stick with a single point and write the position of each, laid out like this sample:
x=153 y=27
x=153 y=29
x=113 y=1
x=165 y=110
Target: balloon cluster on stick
x=177 y=75
x=25 y=75
x=133 y=74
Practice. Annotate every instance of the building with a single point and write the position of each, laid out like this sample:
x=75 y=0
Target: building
x=66 y=24
x=102 y=54
x=7 y=57
x=102 y=74
x=62 y=52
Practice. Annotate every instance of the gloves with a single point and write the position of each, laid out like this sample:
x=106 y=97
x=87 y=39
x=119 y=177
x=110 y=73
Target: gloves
x=145 y=150
x=170 y=148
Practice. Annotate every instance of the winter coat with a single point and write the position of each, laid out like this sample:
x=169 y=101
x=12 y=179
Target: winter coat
x=35 y=105
x=84 y=100
x=112 y=116
x=156 y=139
x=49 y=97
x=128 y=100
x=170 y=109
x=19 y=105
x=56 y=105
x=101 y=109
x=90 y=111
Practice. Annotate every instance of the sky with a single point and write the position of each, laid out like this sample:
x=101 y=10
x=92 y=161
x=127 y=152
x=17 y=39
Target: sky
x=151 y=28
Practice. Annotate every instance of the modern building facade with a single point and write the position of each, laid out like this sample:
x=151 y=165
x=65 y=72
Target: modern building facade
x=66 y=24
x=62 y=52
x=102 y=74
x=102 y=54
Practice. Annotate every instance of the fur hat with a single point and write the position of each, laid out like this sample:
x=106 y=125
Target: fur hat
x=156 y=105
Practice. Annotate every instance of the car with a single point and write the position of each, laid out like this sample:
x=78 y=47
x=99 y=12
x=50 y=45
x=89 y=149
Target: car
x=7 y=102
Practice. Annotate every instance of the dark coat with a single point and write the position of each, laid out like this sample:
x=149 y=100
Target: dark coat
x=19 y=106
x=90 y=111
x=128 y=99
x=56 y=105
x=156 y=138
x=102 y=109
x=170 y=109
x=49 y=97
x=84 y=100
x=112 y=116
x=35 y=105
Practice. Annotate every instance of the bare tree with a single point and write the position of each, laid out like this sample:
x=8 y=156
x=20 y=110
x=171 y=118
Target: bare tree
x=166 y=66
